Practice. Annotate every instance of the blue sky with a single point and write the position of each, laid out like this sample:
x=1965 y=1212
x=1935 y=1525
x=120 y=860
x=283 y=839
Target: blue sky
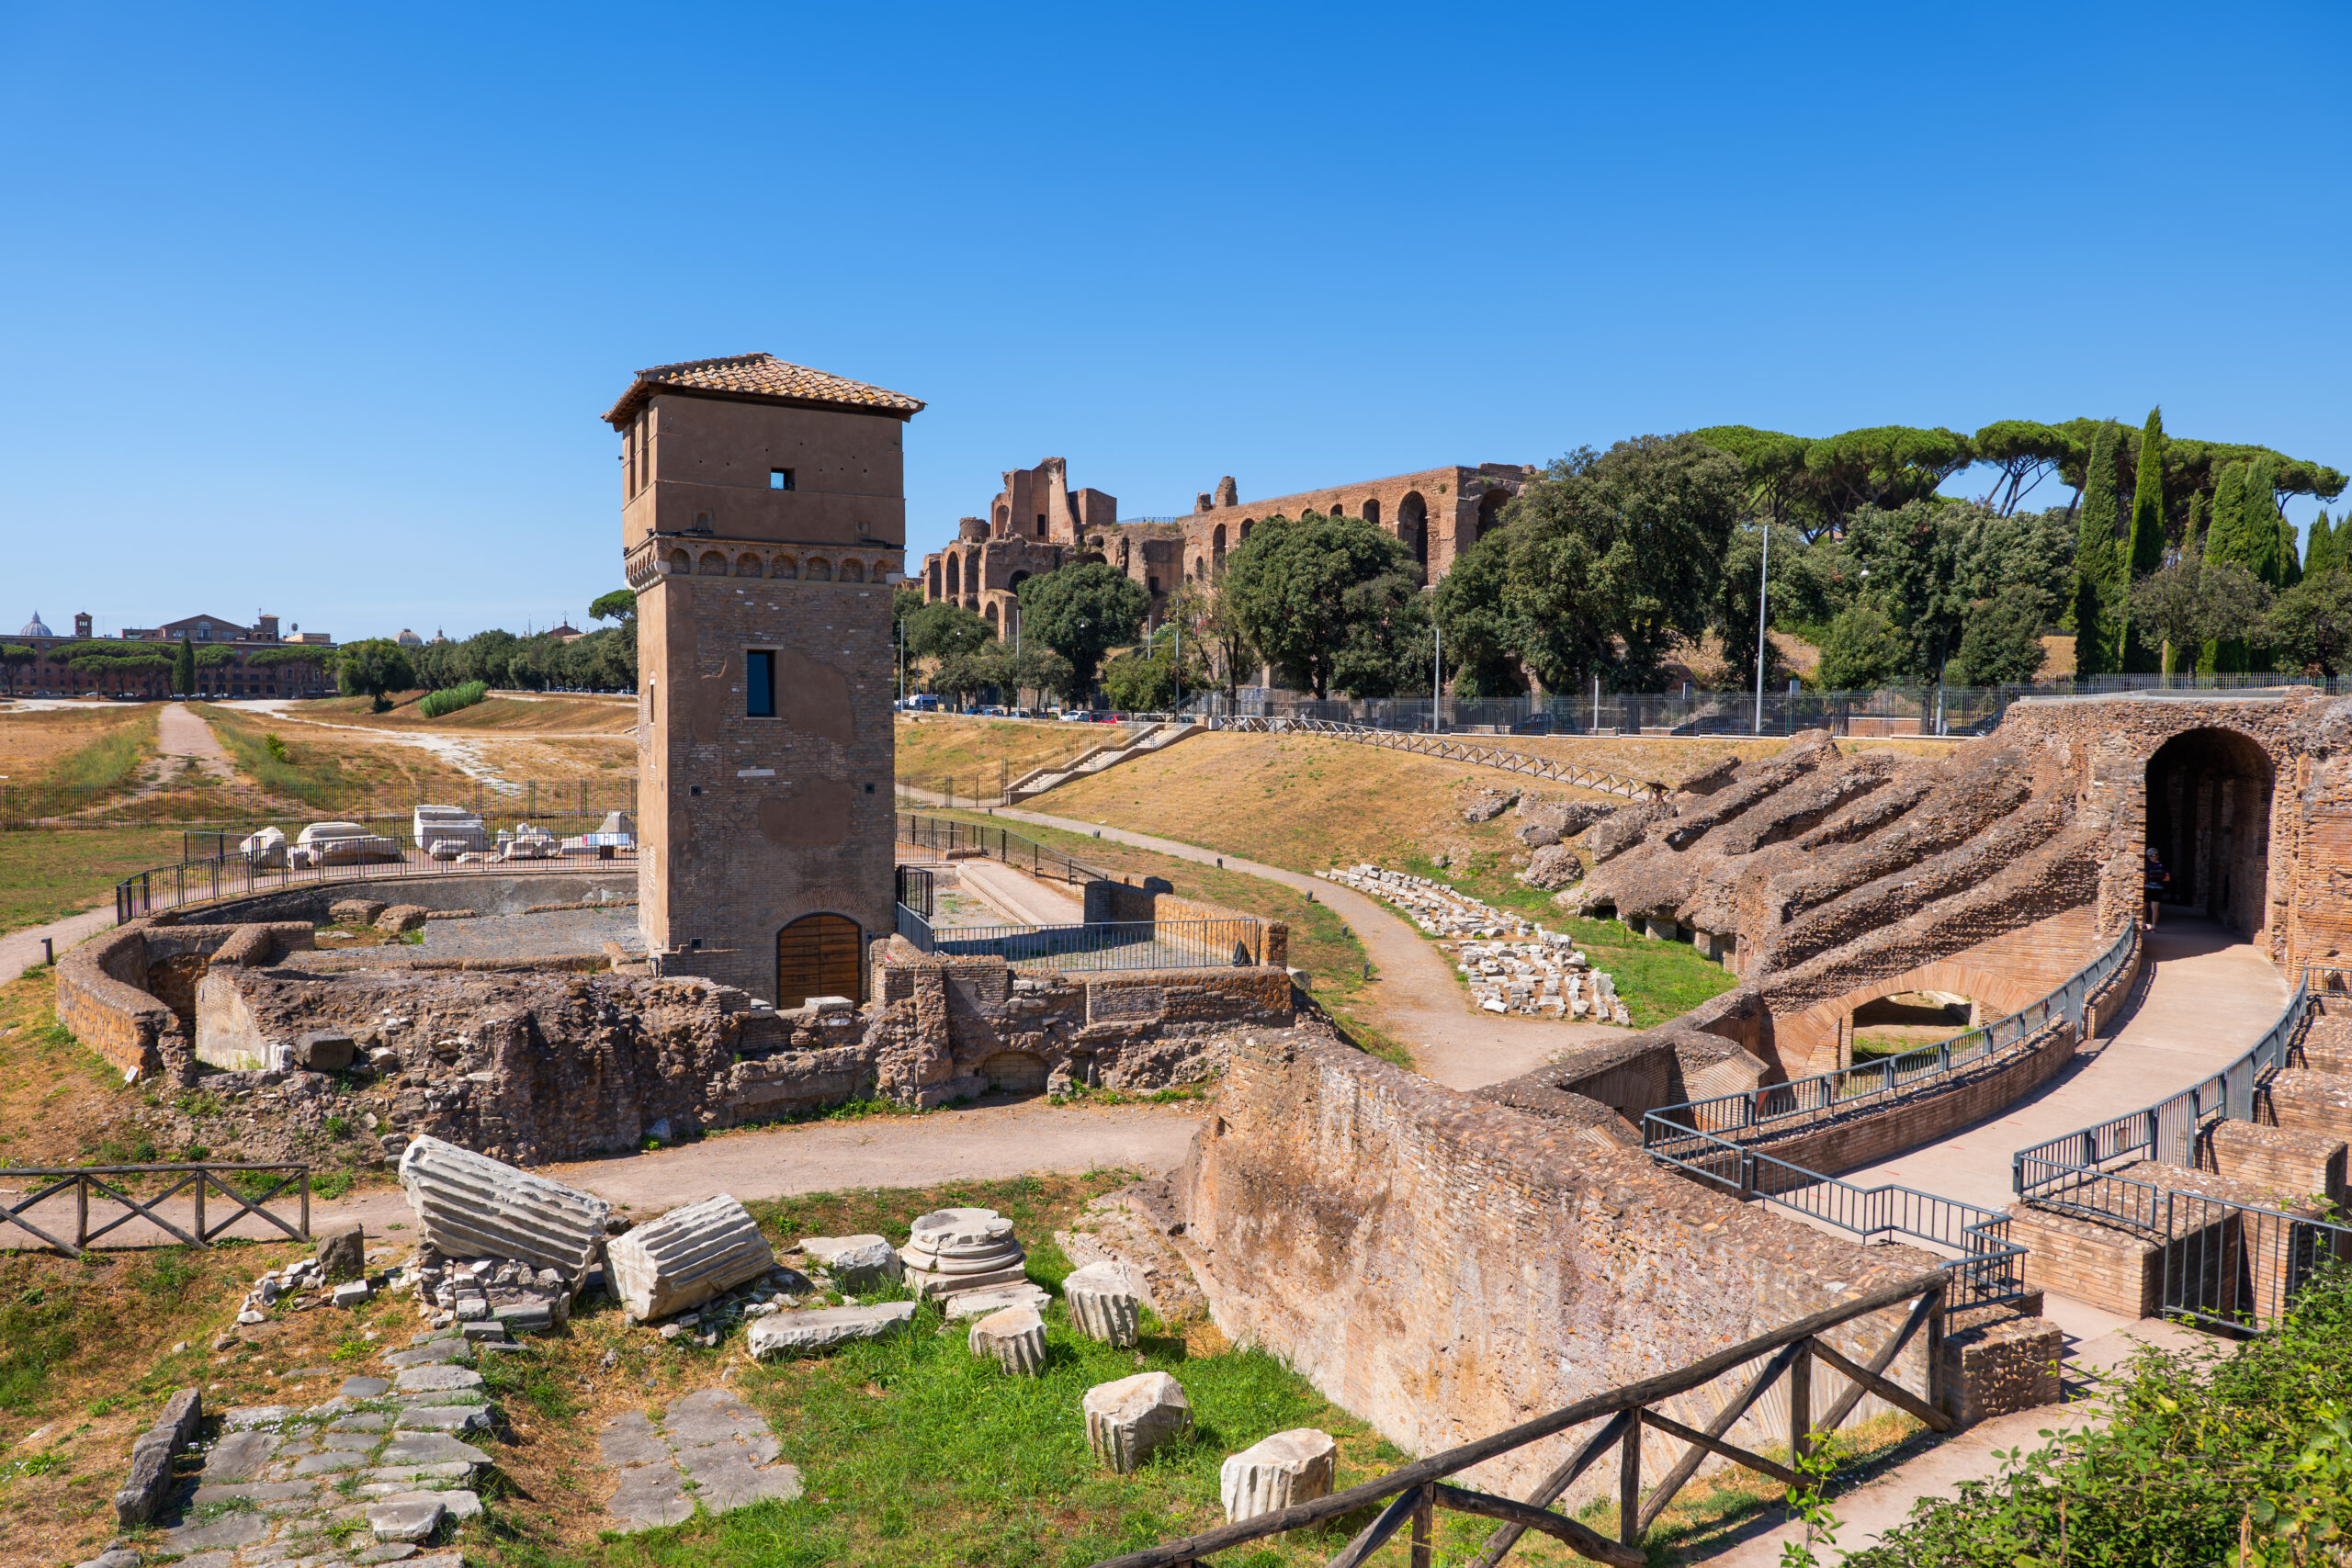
x=313 y=310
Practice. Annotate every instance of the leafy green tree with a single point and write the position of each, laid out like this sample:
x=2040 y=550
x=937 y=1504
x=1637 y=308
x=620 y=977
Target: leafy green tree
x=184 y=666
x=1136 y=682
x=2323 y=551
x=2002 y=643
x=967 y=673
x=1387 y=650
x=2100 y=581
x=1317 y=594
x=2310 y=627
x=1481 y=640
x=618 y=605
x=1037 y=669
x=1613 y=558
x=2192 y=601
x=1861 y=651
x=1887 y=465
x=943 y=630
x=2022 y=452
x=2145 y=551
x=1082 y=611
x=1736 y=611
x=373 y=667
x=1932 y=563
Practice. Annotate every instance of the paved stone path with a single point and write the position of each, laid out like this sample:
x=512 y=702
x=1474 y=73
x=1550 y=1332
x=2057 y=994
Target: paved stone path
x=1415 y=997
x=378 y=1473
x=20 y=951
x=709 y=1439
x=1018 y=897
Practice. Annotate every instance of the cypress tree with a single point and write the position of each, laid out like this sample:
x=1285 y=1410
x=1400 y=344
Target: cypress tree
x=2261 y=525
x=2230 y=540
x=2099 y=568
x=2146 y=552
x=184 y=667
x=2323 y=551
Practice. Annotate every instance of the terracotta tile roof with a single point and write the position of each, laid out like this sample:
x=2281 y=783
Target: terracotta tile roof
x=758 y=375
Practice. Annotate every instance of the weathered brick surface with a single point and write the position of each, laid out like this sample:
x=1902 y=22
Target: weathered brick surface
x=1999 y=1363
x=2290 y=1164
x=2108 y=1267
x=129 y=995
x=1444 y=1267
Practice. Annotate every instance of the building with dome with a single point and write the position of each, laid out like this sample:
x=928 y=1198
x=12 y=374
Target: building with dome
x=233 y=661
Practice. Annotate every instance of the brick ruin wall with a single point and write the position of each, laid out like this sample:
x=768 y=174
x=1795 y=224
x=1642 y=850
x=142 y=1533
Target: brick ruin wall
x=1264 y=942
x=129 y=994
x=1444 y=1267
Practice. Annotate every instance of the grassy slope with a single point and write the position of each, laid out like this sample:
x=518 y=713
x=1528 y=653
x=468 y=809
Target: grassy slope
x=937 y=747
x=48 y=874
x=1304 y=804
x=329 y=769
x=58 y=762
x=560 y=715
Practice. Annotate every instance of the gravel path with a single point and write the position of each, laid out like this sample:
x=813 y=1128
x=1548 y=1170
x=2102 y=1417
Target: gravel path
x=1416 y=998
x=556 y=933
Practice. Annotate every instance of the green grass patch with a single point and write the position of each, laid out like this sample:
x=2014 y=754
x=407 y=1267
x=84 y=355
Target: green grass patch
x=1658 y=979
x=37 y=1336
x=48 y=874
x=449 y=699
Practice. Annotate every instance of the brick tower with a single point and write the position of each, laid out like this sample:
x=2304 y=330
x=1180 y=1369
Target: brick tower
x=764 y=524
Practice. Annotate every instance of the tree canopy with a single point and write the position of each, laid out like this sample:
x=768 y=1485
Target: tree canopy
x=372 y=667
x=1329 y=601
x=1082 y=611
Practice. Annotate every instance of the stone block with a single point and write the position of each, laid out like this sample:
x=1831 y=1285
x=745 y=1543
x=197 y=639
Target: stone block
x=1127 y=1418
x=352 y=1293
x=352 y=911
x=435 y=1380
x=804 y=1333
x=342 y=1251
x=979 y=1304
x=320 y=1051
x=686 y=1256
x=855 y=1262
x=1014 y=1338
x=1290 y=1467
x=412 y=1519
x=1105 y=1301
x=2002 y=1366
x=401 y=917
x=952 y=1250
x=265 y=849
x=469 y=1205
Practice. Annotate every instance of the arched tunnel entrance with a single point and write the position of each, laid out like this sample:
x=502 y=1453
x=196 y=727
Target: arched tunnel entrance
x=2208 y=821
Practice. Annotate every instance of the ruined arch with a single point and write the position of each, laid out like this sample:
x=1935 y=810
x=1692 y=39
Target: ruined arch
x=1491 y=511
x=1016 y=1072
x=2207 y=817
x=748 y=565
x=1003 y=519
x=1247 y=524
x=712 y=564
x=1413 y=525
x=1371 y=512
x=955 y=576
x=934 y=574
x=819 y=570
x=853 y=572
x=786 y=566
x=818 y=955
x=681 y=563
x=990 y=615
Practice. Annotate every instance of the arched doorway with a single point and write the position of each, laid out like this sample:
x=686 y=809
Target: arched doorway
x=2208 y=821
x=1413 y=525
x=955 y=576
x=1491 y=511
x=817 y=955
x=1371 y=512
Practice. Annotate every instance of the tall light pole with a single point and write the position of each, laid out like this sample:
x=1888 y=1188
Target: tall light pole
x=1763 y=575
x=1437 y=671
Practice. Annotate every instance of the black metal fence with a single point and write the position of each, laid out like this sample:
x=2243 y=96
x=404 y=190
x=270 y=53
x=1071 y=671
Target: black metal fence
x=551 y=841
x=1102 y=944
x=1890 y=710
x=943 y=836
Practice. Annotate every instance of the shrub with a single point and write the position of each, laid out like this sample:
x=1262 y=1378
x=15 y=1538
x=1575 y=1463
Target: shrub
x=449 y=699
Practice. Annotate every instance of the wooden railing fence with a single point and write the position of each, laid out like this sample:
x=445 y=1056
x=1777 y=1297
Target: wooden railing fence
x=1414 y=1494
x=88 y=1180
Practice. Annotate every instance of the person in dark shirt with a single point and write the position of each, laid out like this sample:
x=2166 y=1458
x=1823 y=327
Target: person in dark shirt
x=2154 y=884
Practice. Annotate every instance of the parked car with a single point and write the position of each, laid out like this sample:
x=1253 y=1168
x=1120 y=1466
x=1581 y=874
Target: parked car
x=1077 y=715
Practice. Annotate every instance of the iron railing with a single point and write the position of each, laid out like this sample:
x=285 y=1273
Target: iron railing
x=1985 y=1266
x=1106 y=944
x=236 y=875
x=2070 y=1171
x=2239 y=1266
x=1869 y=1085
x=945 y=835
x=1409 y=1497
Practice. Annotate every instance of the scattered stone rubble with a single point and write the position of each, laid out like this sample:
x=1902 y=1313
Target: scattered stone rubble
x=686 y=1256
x=709 y=1448
x=1513 y=964
x=1127 y=1418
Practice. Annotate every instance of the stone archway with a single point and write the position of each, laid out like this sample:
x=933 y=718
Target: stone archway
x=2209 y=820
x=1015 y=1072
x=1491 y=511
x=1413 y=525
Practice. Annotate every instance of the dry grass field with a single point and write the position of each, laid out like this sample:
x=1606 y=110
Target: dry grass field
x=562 y=713
x=939 y=746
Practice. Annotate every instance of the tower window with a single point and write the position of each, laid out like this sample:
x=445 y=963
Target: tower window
x=759 y=684
x=780 y=479
x=1040 y=525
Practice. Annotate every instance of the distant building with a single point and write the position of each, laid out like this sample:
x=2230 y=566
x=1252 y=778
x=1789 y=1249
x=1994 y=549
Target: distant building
x=138 y=664
x=409 y=639
x=567 y=633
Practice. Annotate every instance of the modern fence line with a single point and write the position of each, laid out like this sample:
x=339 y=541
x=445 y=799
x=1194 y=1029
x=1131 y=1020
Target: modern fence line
x=1413 y=1494
x=943 y=835
x=1552 y=769
x=234 y=874
x=2226 y=1264
x=89 y=1180
x=1904 y=710
x=1870 y=1086
x=1106 y=944
x=1985 y=1266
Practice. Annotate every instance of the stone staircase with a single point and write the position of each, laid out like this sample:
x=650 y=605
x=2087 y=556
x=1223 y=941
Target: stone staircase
x=1131 y=744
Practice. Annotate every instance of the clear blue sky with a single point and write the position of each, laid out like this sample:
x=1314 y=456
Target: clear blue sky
x=313 y=309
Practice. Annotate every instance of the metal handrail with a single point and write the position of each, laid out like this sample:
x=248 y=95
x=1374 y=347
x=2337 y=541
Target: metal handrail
x=2071 y=1171
x=1102 y=944
x=942 y=834
x=1986 y=1270
x=1848 y=1089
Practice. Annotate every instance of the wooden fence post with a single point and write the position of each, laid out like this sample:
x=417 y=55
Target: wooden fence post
x=1939 y=1297
x=80 y=1211
x=1425 y=1527
x=1629 y=1483
x=1800 y=1406
x=199 y=1208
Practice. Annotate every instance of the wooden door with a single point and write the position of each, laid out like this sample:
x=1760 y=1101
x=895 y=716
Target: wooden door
x=817 y=955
